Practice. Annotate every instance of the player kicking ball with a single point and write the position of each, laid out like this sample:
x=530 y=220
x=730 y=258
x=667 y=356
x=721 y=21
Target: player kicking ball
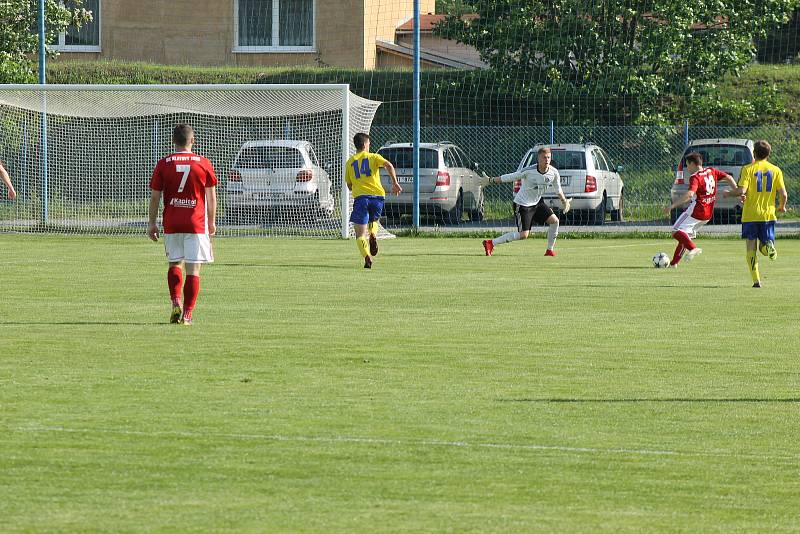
x=529 y=206
x=702 y=193
x=363 y=179
x=188 y=184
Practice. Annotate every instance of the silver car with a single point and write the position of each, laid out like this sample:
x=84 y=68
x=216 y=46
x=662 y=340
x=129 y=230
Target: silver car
x=727 y=155
x=282 y=176
x=449 y=186
x=588 y=178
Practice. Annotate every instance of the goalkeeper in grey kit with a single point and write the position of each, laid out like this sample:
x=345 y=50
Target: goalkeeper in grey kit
x=529 y=206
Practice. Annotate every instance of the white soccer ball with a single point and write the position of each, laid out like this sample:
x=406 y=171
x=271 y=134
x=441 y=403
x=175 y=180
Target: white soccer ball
x=661 y=260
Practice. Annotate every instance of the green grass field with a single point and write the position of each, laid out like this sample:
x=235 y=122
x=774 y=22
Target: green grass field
x=441 y=391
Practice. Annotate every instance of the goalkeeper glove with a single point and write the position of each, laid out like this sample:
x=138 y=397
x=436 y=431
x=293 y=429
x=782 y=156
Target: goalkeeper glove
x=485 y=180
x=566 y=205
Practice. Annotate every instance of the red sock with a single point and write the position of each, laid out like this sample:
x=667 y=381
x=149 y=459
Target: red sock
x=678 y=253
x=175 y=281
x=684 y=239
x=190 y=291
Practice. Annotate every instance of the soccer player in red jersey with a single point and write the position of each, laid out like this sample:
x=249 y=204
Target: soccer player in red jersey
x=188 y=184
x=12 y=194
x=703 y=187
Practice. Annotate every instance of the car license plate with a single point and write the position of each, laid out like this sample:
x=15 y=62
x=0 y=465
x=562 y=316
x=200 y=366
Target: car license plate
x=405 y=179
x=565 y=180
x=270 y=195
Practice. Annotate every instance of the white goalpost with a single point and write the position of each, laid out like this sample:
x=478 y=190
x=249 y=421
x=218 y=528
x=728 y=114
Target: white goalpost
x=278 y=150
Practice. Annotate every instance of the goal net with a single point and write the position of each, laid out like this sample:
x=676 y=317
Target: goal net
x=81 y=157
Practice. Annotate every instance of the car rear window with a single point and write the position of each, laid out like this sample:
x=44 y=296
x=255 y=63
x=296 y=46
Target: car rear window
x=563 y=160
x=721 y=155
x=403 y=157
x=270 y=157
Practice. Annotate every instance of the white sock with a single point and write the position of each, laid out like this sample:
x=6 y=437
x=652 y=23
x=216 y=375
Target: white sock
x=552 y=233
x=505 y=238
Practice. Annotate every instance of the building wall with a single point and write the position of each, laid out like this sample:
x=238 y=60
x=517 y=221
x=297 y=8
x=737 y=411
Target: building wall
x=201 y=32
x=382 y=17
x=177 y=32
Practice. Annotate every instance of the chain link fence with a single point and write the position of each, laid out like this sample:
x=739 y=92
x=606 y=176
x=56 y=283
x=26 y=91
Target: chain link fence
x=647 y=155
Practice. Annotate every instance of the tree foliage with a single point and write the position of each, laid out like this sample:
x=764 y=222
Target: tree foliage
x=19 y=34
x=782 y=43
x=633 y=51
x=453 y=7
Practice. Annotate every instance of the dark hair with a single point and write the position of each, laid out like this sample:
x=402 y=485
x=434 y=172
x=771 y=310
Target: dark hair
x=360 y=140
x=695 y=157
x=543 y=150
x=181 y=134
x=762 y=149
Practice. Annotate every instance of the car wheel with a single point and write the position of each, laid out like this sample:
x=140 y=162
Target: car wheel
x=726 y=217
x=618 y=215
x=392 y=215
x=599 y=215
x=477 y=214
x=320 y=211
x=235 y=215
x=454 y=215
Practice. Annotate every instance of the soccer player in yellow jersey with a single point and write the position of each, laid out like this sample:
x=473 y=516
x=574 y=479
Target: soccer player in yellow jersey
x=759 y=183
x=363 y=179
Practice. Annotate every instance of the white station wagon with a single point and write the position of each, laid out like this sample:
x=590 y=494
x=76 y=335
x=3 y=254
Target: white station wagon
x=449 y=185
x=282 y=176
x=588 y=178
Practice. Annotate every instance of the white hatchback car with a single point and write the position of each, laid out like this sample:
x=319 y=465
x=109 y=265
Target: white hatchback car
x=279 y=175
x=588 y=178
x=727 y=155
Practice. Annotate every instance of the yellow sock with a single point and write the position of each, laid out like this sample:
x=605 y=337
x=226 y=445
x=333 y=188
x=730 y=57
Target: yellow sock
x=363 y=246
x=373 y=227
x=752 y=264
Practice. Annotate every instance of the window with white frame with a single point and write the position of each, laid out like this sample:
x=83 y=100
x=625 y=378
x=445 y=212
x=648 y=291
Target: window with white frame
x=274 y=25
x=83 y=39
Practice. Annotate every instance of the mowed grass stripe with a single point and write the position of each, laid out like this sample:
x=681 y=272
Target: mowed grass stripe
x=442 y=390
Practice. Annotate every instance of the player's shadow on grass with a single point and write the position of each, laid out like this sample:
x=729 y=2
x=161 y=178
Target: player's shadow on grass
x=622 y=267
x=324 y=266
x=634 y=400
x=642 y=285
x=426 y=254
x=83 y=323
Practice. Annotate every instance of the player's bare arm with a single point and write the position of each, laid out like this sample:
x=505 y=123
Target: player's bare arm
x=211 y=209
x=396 y=189
x=152 y=212
x=736 y=191
x=684 y=199
x=486 y=180
x=728 y=179
x=12 y=194
x=784 y=196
